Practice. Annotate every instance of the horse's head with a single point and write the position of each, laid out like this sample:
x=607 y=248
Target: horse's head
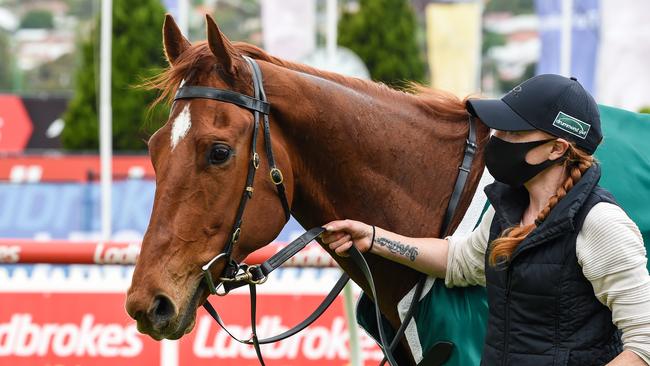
x=201 y=157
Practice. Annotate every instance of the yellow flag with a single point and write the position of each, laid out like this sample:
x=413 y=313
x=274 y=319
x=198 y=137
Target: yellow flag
x=454 y=46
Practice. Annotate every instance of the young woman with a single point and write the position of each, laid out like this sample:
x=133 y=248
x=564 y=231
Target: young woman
x=564 y=266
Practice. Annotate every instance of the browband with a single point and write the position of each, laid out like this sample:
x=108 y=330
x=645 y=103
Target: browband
x=188 y=92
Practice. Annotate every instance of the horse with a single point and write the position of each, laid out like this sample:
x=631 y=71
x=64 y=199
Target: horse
x=346 y=147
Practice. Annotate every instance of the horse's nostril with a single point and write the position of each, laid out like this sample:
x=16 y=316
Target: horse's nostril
x=161 y=312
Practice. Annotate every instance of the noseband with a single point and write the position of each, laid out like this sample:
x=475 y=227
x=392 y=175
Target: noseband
x=235 y=274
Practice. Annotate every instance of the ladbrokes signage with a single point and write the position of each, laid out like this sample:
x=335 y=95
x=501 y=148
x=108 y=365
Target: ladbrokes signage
x=70 y=329
x=22 y=337
x=326 y=342
x=78 y=329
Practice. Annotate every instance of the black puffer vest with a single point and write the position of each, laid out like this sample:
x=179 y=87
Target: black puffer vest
x=543 y=310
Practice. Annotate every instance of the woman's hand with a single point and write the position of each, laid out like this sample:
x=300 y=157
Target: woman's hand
x=427 y=255
x=340 y=235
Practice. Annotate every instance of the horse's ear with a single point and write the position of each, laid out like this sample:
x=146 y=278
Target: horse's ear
x=220 y=46
x=174 y=41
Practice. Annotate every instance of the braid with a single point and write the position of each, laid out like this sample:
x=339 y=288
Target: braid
x=576 y=163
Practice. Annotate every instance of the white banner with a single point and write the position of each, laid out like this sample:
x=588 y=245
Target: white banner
x=289 y=27
x=623 y=75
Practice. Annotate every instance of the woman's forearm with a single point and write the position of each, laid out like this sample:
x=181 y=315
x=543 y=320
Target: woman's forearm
x=427 y=255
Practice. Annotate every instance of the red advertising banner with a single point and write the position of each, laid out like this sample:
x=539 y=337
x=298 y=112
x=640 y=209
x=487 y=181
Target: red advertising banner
x=97 y=252
x=326 y=342
x=79 y=329
x=70 y=168
x=69 y=329
x=15 y=124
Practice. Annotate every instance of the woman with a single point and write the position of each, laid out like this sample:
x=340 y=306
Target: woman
x=564 y=266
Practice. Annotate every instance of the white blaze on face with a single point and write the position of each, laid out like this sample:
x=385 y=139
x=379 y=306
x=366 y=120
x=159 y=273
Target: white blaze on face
x=181 y=126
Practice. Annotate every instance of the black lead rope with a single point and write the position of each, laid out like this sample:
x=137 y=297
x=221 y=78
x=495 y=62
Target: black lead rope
x=259 y=273
x=442 y=349
x=329 y=299
x=254 y=339
x=284 y=255
x=407 y=319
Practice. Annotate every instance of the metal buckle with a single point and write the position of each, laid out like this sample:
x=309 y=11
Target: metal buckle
x=235 y=235
x=250 y=279
x=276 y=176
x=208 y=276
x=256 y=160
x=471 y=146
x=246 y=276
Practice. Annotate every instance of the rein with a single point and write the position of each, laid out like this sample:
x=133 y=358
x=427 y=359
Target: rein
x=236 y=275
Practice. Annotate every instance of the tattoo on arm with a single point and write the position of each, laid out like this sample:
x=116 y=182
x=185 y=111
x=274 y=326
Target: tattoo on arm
x=396 y=247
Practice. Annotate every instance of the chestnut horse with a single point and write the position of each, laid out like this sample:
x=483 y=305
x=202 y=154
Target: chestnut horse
x=348 y=148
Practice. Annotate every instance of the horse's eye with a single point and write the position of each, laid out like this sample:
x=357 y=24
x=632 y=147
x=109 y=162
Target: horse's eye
x=219 y=153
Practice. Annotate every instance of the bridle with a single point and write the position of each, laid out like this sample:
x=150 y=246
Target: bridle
x=259 y=105
x=235 y=274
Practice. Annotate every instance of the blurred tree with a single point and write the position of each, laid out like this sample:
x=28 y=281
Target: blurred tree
x=383 y=34
x=645 y=110
x=37 y=19
x=491 y=39
x=82 y=9
x=510 y=6
x=5 y=66
x=137 y=54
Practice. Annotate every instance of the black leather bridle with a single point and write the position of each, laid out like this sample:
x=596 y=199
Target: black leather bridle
x=235 y=274
x=258 y=105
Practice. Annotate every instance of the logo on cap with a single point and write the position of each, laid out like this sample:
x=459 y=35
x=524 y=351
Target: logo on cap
x=572 y=125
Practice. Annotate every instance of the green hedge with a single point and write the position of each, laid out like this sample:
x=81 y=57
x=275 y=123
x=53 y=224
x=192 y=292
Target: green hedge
x=383 y=34
x=137 y=54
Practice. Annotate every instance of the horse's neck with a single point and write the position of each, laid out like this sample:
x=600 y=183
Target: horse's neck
x=362 y=157
x=378 y=159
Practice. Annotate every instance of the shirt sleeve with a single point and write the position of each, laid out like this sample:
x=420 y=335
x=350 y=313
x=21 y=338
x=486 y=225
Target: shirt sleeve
x=611 y=252
x=466 y=256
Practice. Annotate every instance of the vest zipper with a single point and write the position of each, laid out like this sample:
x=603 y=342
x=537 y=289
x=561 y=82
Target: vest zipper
x=507 y=317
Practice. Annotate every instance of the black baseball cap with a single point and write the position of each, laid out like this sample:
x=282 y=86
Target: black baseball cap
x=552 y=103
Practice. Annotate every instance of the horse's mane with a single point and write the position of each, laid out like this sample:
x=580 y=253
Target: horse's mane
x=438 y=103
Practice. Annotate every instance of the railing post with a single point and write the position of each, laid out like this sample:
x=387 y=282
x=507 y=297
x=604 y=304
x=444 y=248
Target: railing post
x=353 y=328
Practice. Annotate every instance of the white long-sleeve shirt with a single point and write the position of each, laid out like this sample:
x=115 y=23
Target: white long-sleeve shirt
x=612 y=255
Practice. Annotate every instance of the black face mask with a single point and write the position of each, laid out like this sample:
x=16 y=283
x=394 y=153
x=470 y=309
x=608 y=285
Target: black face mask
x=506 y=161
